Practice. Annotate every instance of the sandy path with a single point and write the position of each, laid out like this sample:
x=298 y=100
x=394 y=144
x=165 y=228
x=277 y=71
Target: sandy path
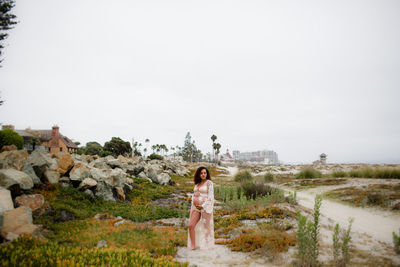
x=378 y=224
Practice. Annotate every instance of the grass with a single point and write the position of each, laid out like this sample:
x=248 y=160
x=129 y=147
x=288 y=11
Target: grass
x=243 y=176
x=28 y=251
x=158 y=240
x=82 y=206
x=380 y=195
x=367 y=172
x=309 y=173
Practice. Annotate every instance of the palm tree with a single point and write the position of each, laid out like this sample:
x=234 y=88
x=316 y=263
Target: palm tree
x=213 y=138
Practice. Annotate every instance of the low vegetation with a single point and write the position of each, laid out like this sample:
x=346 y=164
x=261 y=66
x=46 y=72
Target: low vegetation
x=28 y=251
x=307 y=237
x=309 y=173
x=243 y=176
x=378 y=195
x=341 y=242
x=367 y=172
x=396 y=242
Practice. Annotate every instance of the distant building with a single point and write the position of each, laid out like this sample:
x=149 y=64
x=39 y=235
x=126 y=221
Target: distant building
x=227 y=157
x=322 y=159
x=51 y=140
x=261 y=156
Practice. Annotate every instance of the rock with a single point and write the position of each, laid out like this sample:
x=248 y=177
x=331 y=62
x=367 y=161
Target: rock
x=99 y=163
x=100 y=216
x=114 y=163
x=119 y=223
x=123 y=159
x=104 y=192
x=40 y=161
x=51 y=176
x=6 y=202
x=66 y=216
x=98 y=174
x=15 y=221
x=152 y=174
x=8 y=148
x=28 y=169
x=120 y=193
x=15 y=159
x=87 y=183
x=79 y=172
x=34 y=202
x=116 y=177
x=89 y=192
x=102 y=244
x=11 y=236
x=65 y=163
x=54 y=164
x=129 y=181
x=11 y=177
x=164 y=179
x=143 y=176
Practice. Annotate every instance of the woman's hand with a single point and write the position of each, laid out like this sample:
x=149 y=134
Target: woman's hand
x=199 y=207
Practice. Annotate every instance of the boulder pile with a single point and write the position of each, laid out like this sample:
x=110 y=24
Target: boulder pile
x=106 y=178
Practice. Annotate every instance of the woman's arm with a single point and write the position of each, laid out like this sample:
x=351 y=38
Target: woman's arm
x=208 y=204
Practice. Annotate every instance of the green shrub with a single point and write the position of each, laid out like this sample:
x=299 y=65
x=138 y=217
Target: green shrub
x=9 y=137
x=155 y=156
x=309 y=173
x=253 y=190
x=28 y=251
x=307 y=237
x=269 y=177
x=338 y=174
x=379 y=173
x=243 y=176
x=341 y=254
x=396 y=242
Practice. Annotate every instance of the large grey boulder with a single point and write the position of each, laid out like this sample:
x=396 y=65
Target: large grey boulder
x=99 y=174
x=40 y=161
x=113 y=163
x=115 y=178
x=51 y=176
x=164 y=179
x=79 y=172
x=99 y=163
x=104 y=192
x=87 y=183
x=28 y=169
x=152 y=174
x=14 y=159
x=11 y=177
x=6 y=202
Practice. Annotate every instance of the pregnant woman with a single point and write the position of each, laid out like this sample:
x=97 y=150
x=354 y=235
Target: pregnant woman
x=201 y=223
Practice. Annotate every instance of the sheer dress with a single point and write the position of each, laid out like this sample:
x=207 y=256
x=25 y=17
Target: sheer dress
x=204 y=230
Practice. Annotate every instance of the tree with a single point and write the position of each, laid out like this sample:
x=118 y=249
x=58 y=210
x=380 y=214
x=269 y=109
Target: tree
x=116 y=146
x=217 y=148
x=189 y=151
x=136 y=149
x=9 y=137
x=7 y=20
x=93 y=148
x=213 y=138
x=34 y=141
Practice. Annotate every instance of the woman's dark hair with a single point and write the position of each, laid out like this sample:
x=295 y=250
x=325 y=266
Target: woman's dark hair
x=197 y=178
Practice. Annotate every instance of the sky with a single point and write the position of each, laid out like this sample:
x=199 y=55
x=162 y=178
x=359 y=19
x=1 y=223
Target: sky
x=298 y=77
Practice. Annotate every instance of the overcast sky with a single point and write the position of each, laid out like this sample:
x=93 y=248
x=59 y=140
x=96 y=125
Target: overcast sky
x=296 y=77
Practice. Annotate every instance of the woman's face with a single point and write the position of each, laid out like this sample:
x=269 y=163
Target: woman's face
x=203 y=174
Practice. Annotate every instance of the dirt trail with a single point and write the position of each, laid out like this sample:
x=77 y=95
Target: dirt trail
x=376 y=223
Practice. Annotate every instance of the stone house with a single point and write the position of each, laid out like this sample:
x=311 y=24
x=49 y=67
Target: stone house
x=51 y=140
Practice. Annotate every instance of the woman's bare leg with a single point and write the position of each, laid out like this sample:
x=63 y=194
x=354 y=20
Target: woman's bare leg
x=194 y=218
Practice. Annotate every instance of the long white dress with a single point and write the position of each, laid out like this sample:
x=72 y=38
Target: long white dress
x=204 y=230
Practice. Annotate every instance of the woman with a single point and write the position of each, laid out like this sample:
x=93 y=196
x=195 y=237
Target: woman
x=201 y=223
